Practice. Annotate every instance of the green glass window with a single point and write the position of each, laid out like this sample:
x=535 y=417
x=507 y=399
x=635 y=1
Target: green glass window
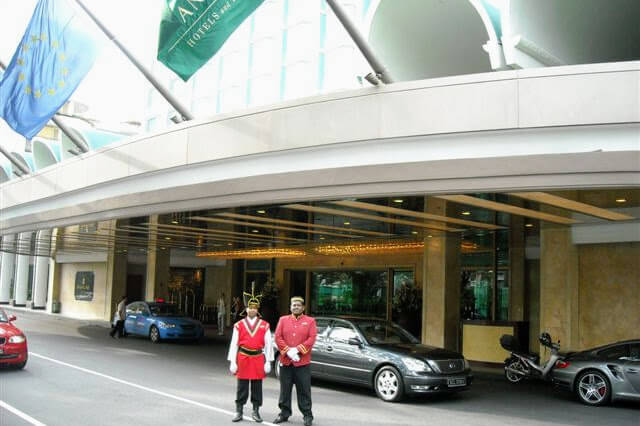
x=357 y=292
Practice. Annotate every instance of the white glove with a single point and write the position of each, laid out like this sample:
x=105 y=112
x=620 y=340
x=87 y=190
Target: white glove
x=292 y=353
x=233 y=367
x=267 y=367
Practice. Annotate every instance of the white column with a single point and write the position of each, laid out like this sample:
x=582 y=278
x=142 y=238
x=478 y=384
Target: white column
x=7 y=267
x=41 y=272
x=22 y=269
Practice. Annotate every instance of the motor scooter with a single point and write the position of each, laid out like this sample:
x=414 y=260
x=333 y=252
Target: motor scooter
x=522 y=365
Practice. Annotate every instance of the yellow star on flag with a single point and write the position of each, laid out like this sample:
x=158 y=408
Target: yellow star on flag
x=62 y=57
x=21 y=77
x=43 y=37
x=65 y=71
x=25 y=47
x=54 y=44
x=51 y=92
x=61 y=84
x=27 y=90
x=20 y=61
x=34 y=38
x=37 y=94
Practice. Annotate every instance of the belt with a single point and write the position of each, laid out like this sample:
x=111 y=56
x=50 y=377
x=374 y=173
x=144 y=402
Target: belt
x=250 y=352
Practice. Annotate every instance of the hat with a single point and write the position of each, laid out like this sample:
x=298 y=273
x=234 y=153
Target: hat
x=253 y=300
x=297 y=299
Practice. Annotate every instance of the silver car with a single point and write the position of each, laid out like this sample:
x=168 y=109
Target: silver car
x=602 y=374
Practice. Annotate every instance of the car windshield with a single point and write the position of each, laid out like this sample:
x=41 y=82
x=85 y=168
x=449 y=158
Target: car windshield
x=3 y=316
x=384 y=332
x=164 y=310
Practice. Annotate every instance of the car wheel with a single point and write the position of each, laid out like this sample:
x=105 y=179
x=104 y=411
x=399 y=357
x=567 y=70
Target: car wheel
x=514 y=364
x=21 y=365
x=388 y=384
x=276 y=367
x=154 y=334
x=593 y=388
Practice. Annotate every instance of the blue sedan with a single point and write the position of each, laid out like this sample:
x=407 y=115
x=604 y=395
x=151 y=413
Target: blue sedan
x=161 y=321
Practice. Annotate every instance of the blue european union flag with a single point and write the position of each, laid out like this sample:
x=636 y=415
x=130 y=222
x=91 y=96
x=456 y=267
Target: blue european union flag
x=54 y=55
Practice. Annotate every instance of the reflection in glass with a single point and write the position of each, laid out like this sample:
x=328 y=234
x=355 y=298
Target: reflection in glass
x=362 y=293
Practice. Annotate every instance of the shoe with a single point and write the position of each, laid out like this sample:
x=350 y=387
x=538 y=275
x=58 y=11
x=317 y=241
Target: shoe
x=255 y=415
x=280 y=419
x=238 y=416
x=308 y=421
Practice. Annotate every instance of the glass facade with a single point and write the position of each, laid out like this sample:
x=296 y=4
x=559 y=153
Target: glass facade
x=356 y=292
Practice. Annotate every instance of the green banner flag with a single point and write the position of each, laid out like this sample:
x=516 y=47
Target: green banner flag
x=192 y=31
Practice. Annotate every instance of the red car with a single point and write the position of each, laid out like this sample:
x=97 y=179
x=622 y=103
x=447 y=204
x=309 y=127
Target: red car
x=13 y=343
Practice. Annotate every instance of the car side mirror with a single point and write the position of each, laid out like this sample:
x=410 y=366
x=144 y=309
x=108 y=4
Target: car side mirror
x=12 y=318
x=355 y=341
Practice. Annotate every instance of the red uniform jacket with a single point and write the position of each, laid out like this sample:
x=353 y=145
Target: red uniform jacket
x=296 y=332
x=250 y=366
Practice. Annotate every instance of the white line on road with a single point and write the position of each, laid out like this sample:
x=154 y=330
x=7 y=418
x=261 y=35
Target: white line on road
x=20 y=414
x=157 y=392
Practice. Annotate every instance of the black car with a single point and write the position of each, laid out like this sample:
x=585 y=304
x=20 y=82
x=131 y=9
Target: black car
x=380 y=354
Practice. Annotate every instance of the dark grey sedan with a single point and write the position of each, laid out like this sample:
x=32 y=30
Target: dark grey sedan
x=602 y=374
x=382 y=355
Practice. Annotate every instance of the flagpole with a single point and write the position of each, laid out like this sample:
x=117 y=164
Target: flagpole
x=378 y=68
x=14 y=161
x=186 y=115
x=65 y=129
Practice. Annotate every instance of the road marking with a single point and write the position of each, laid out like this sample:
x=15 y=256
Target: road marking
x=134 y=385
x=20 y=414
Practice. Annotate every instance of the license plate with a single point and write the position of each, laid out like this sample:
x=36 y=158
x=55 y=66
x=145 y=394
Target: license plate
x=458 y=381
x=1 y=351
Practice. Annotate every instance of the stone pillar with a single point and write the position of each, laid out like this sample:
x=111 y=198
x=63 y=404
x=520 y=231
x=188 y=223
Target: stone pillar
x=517 y=290
x=158 y=259
x=441 y=285
x=53 y=283
x=22 y=269
x=116 y=275
x=7 y=267
x=41 y=269
x=559 y=296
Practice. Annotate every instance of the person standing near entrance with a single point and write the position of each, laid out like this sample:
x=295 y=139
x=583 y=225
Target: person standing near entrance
x=295 y=336
x=250 y=355
x=118 y=318
x=222 y=313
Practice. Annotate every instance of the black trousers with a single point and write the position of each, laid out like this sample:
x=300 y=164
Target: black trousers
x=119 y=328
x=301 y=377
x=242 y=394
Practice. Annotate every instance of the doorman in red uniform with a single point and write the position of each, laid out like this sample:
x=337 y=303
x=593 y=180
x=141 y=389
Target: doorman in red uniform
x=295 y=336
x=250 y=356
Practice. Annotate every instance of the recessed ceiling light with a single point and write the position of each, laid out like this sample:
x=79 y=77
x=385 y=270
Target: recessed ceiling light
x=398 y=200
x=255 y=231
x=621 y=200
x=414 y=232
x=261 y=211
x=429 y=236
x=175 y=222
x=322 y=238
x=163 y=248
x=529 y=225
x=229 y=244
x=466 y=213
x=347 y=223
x=167 y=238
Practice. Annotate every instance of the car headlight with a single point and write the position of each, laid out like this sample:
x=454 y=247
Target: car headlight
x=163 y=324
x=17 y=339
x=416 y=365
x=467 y=366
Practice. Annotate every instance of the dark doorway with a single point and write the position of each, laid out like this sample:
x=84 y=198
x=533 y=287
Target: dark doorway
x=135 y=287
x=298 y=283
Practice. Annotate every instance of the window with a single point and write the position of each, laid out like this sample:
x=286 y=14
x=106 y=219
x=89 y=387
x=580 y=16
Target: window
x=614 y=352
x=341 y=333
x=321 y=326
x=359 y=292
x=634 y=351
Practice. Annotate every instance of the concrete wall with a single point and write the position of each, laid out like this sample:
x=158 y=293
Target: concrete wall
x=609 y=300
x=71 y=307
